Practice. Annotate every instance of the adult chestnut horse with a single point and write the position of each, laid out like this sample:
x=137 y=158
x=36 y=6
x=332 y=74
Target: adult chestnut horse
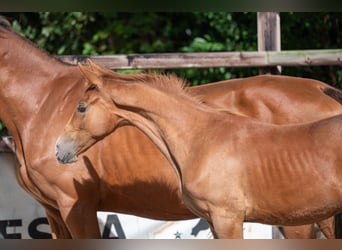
x=37 y=97
x=231 y=168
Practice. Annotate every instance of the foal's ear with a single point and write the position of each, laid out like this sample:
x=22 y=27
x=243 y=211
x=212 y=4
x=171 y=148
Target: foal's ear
x=98 y=69
x=91 y=76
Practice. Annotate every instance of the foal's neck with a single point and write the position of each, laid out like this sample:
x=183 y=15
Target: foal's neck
x=171 y=121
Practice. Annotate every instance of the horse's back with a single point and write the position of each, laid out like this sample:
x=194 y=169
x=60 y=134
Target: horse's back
x=273 y=99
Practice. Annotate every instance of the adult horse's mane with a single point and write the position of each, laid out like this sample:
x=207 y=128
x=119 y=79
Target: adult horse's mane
x=4 y=23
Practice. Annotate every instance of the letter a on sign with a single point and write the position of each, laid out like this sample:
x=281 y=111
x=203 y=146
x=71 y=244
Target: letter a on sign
x=113 y=219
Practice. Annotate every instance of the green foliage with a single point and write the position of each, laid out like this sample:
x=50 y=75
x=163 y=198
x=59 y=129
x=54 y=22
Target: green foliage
x=321 y=30
x=220 y=32
x=153 y=32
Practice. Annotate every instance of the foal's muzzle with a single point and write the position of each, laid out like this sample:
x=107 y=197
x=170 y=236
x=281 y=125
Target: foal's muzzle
x=65 y=153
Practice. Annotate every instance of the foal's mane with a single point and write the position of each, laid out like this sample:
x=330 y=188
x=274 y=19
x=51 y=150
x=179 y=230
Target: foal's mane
x=171 y=84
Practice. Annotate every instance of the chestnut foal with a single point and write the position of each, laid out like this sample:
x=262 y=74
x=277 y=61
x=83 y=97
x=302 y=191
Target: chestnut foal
x=231 y=168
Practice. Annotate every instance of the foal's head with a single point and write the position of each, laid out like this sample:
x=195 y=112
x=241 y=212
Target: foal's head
x=93 y=119
x=97 y=114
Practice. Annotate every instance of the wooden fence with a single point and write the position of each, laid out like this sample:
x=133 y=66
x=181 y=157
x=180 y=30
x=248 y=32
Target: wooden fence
x=269 y=54
x=215 y=59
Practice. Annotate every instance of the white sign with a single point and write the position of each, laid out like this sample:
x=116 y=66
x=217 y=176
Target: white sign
x=21 y=217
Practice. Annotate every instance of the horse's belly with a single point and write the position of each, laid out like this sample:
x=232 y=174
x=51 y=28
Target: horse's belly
x=298 y=210
x=293 y=218
x=292 y=187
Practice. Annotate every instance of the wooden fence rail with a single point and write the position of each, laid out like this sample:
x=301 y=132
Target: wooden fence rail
x=214 y=59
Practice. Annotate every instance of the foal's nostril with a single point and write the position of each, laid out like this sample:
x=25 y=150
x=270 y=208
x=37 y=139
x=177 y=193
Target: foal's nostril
x=57 y=150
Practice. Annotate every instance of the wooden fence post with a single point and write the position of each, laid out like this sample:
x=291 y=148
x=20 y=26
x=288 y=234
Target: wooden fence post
x=269 y=37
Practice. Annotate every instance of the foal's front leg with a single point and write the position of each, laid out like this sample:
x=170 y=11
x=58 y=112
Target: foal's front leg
x=227 y=225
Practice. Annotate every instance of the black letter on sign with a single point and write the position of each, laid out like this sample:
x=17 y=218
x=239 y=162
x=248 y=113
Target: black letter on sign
x=9 y=223
x=33 y=229
x=113 y=219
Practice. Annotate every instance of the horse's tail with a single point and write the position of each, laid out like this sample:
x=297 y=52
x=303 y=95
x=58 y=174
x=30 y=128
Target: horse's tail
x=338 y=226
x=336 y=94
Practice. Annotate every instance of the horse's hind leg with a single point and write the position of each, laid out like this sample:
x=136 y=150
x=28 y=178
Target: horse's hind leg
x=327 y=227
x=300 y=232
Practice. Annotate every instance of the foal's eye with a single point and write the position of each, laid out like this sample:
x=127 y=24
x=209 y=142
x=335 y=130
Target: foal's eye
x=81 y=108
